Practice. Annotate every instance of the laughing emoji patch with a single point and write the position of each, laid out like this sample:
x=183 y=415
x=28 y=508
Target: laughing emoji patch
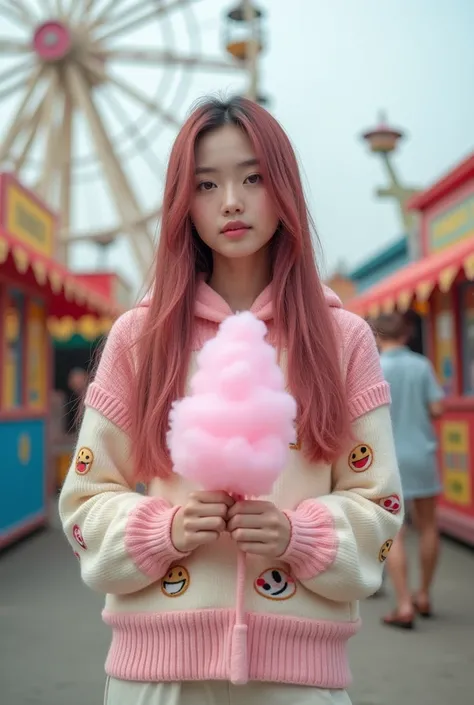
x=176 y=582
x=84 y=460
x=361 y=458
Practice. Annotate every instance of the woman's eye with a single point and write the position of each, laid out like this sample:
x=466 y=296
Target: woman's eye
x=206 y=186
x=254 y=179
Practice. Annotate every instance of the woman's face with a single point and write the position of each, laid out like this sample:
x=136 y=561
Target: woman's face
x=231 y=209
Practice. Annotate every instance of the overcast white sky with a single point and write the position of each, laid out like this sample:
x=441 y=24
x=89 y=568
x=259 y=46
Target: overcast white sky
x=329 y=68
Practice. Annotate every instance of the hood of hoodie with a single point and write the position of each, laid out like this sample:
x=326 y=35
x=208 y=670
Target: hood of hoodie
x=210 y=306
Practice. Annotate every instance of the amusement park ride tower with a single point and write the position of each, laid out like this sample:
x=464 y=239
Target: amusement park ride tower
x=383 y=140
x=80 y=114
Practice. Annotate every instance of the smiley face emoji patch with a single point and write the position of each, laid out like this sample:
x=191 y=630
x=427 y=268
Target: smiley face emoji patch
x=275 y=584
x=84 y=460
x=361 y=458
x=176 y=582
x=384 y=551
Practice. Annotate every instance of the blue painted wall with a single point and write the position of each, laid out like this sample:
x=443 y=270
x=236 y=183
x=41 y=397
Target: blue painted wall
x=22 y=473
x=381 y=265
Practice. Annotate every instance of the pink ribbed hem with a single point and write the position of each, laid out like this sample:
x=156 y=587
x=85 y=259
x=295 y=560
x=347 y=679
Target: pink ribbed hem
x=195 y=645
x=370 y=399
x=313 y=543
x=113 y=409
x=148 y=537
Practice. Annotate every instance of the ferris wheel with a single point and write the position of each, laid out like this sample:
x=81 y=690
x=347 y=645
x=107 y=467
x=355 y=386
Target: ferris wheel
x=92 y=93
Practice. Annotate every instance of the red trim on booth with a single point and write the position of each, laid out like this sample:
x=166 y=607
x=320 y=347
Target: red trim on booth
x=451 y=181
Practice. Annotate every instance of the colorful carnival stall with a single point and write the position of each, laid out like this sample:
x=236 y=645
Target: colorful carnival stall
x=37 y=295
x=440 y=287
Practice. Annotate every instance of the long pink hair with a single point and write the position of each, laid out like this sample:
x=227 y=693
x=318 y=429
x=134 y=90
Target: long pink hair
x=302 y=320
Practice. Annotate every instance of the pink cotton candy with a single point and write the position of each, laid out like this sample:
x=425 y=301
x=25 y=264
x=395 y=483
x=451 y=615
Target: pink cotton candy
x=233 y=432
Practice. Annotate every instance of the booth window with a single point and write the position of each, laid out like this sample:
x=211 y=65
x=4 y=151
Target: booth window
x=14 y=351
x=445 y=341
x=467 y=337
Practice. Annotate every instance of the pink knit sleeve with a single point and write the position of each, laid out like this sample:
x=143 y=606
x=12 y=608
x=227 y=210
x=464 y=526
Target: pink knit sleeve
x=109 y=393
x=148 y=537
x=314 y=541
x=365 y=383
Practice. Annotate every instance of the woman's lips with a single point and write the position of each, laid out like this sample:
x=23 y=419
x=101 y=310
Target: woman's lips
x=236 y=232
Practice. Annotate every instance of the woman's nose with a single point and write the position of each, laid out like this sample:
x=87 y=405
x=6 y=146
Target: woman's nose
x=232 y=202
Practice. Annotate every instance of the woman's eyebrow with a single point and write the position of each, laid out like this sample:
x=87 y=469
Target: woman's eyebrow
x=213 y=170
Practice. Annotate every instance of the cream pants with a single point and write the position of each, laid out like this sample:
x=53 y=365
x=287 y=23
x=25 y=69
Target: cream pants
x=119 y=692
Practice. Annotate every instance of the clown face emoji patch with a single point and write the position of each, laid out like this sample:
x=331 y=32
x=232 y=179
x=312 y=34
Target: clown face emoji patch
x=84 y=460
x=176 y=582
x=275 y=584
x=384 y=551
x=361 y=458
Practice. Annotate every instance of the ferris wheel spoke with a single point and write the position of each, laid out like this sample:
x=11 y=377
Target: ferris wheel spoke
x=59 y=8
x=65 y=171
x=40 y=116
x=130 y=13
x=101 y=17
x=13 y=12
x=135 y=134
x=9 y=46
x=19 y=118
x=138 y=21
x=25 y=12
x=6 y=92
x=151 y=105
x=96 y=67
x=120 y=189
x=52 y=144
x=81 y=9
x=89 y=6
x=156 y=56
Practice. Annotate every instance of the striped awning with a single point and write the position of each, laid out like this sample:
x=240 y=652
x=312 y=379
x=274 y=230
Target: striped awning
x=416 y=281
x=69 y=296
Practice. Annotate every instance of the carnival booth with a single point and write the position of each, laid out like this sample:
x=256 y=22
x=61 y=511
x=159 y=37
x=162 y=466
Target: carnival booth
x=440 y=287
x=37 y=295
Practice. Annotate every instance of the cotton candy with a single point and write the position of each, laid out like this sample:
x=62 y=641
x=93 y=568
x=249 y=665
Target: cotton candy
x=233 y=431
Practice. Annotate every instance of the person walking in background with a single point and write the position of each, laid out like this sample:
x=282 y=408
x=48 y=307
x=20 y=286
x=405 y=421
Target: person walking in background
x=416 y=401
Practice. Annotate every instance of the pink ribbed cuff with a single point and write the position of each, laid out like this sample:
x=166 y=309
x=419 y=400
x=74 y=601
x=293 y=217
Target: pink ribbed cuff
x=313 y=544
x=148 y=537
x=113 y=409
x=370 y=399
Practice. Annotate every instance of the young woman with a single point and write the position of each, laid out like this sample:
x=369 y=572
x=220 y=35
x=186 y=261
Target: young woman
x=235 y=235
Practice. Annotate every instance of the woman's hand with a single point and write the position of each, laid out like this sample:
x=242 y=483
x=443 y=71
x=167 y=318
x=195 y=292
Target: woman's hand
x=201 y=520
x=259 y=527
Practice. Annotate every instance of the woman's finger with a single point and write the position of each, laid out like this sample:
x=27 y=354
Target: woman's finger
x=196 y=524
x=250 y=506
x=248 y=536
x=245 y=521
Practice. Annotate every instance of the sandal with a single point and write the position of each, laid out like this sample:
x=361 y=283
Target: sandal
x=423 y=609
x=395 y=620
